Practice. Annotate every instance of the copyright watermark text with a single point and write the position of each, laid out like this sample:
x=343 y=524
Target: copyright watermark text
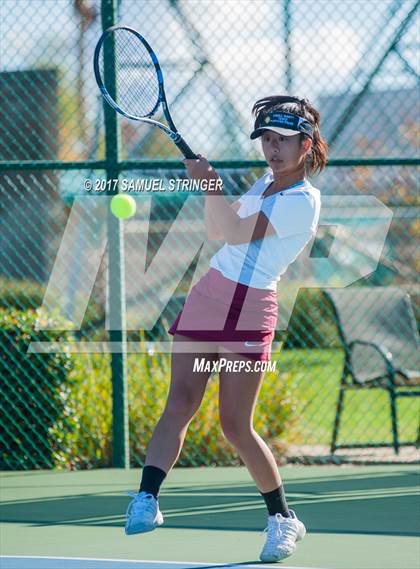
x=140 y=185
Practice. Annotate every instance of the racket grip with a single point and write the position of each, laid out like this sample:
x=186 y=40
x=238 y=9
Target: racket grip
x=185 y=149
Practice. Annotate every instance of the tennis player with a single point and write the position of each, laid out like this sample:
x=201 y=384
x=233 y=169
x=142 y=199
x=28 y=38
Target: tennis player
x=231 y=312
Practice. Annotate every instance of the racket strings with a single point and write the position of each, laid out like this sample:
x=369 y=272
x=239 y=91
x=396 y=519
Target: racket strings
x=137 y=86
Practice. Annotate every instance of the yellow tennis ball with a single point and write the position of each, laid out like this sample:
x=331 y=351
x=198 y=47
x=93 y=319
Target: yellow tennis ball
x=123 y=206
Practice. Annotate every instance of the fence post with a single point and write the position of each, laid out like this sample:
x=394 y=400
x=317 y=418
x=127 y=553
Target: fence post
x=116 y=269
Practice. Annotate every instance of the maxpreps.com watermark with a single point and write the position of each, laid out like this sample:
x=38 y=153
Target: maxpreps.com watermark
x=223 y=364
x=146 y=185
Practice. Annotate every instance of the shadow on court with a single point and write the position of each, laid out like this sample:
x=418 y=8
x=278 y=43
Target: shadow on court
x=381 y=504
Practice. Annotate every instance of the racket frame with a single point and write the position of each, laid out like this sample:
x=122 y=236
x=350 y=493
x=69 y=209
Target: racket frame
x=171 y=131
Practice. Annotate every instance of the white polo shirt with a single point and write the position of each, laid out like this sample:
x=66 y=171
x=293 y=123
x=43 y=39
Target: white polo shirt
x=294 y=214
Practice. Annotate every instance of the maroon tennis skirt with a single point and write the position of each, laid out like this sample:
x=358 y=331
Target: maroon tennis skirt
x=239 y=318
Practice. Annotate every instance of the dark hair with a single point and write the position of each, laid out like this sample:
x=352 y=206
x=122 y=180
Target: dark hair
x=317 y=156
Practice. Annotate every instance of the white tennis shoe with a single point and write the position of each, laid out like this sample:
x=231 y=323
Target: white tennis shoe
x=282 y=535
x=143 y=514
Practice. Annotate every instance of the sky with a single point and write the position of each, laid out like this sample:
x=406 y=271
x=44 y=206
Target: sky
x=334 y=45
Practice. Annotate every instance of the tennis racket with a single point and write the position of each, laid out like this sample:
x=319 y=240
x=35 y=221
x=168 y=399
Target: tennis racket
x=136 y=88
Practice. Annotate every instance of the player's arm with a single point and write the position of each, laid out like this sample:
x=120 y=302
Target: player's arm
x=248 y=229
x=251 y=228
x=224 y=222
x=213 y=231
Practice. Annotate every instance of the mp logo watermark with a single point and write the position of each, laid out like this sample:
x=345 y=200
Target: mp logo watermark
x=158 y=254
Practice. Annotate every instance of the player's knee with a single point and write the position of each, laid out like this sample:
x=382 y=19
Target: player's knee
x=181 y=407
x=235 y=429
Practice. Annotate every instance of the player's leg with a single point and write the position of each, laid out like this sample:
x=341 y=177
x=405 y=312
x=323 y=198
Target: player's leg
x=238 y=396
x=186 y=392
x=184 y=398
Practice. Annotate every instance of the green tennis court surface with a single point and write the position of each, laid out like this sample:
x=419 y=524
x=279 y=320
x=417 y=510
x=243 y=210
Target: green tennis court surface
x=356 y=517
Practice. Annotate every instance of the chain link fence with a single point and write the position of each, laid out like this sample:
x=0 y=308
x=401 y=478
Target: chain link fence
x=358 y=63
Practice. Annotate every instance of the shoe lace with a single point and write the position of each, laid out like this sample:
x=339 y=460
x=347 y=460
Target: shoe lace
x=142 y=501
x=277 y=527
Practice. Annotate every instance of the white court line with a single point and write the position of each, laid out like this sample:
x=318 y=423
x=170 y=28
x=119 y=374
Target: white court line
x=44 y=562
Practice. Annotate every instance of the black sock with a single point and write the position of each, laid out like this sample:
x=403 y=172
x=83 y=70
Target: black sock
x=151 y=480
x=276 y=502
